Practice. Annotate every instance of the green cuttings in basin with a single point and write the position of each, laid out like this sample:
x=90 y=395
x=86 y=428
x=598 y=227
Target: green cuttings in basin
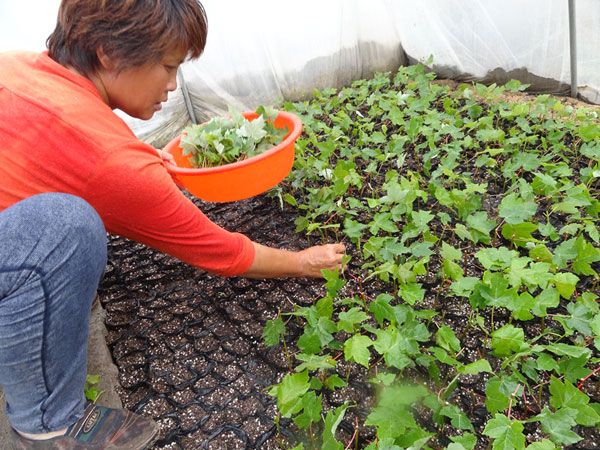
x=225 y=140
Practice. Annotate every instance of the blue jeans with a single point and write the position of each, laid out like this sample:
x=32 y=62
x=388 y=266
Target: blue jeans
x=52 y=256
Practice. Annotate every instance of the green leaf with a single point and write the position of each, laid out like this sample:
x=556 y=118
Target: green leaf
x=332 y=421
x=565 y=395
x=442 y=356
x=92 y=379
x=290 y=391
x=383 y=221
x=391 y=416
x=394 y=347
x=464 y=286
x=558 y=425
x=480 y=227
x=309 y=342
x=467 y=441
x=587 y=255
x=457 y=418
x=544 y=444
x=349 y=319
x=446 y=339
x=546 y=362
x=314 y=362
x=574 y=369
x=507 y=434
x=496 y=396
x=490 y=135
x=324 y=306
x=573 y=351
x=311 y=410
x=543 y=183
x=385 y=378
x=508 y=340
x=450 y=253
x=521 y=306
x=565 y=284
x=421 y=218
x=357 y=349
x=589 y=132
x=496 y=258
x=452 y=270
x=411 y=293
x=383 y=444
x=520 y=233
x=91 y=390
x=514 y=209
x=581 y=315
x=479 y=366
x=538 y=275
x=565 y=252
x=353 y=229
x=290 y=200
x=381 y=309
x=273 y=332
x=334 y=381
x=541 y=253
x=333 y=284
x=548 y=230
x=495 y=291
x=548 y=298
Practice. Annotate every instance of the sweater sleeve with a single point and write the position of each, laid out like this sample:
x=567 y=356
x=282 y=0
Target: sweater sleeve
x=136 y=198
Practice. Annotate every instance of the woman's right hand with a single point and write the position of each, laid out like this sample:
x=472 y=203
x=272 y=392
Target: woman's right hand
x=314 y=259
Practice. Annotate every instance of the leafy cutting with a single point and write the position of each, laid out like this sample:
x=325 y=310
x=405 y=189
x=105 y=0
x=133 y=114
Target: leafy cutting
x=225 y=140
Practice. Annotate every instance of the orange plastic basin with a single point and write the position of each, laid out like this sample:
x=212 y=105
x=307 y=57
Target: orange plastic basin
x=242 y=179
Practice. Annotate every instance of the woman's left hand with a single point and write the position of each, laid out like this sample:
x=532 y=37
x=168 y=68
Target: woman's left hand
x=166 y=156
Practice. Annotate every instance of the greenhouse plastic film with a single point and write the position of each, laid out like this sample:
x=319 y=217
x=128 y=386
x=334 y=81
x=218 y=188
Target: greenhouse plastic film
x=262 y=52
x=282 y=53
x=495 y=41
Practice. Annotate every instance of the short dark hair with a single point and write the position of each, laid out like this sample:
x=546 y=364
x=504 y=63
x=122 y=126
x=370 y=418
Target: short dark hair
x=131 y=32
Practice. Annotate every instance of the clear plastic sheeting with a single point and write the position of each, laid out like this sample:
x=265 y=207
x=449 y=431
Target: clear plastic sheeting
x=25 y=24
x=264 y=52
x=495 y=41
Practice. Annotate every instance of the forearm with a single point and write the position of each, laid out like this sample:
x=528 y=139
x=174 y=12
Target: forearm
x=274 y=263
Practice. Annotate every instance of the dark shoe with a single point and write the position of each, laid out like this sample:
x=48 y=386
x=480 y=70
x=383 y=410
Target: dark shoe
x=100 y=428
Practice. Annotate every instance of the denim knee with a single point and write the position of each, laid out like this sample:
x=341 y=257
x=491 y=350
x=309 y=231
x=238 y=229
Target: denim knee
x=78 y=220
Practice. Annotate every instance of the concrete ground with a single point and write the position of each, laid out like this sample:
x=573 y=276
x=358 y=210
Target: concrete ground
x=99 y=363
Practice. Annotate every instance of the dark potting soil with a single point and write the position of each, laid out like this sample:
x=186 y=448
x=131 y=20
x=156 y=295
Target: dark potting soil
x=190 y=355
x=188 y=344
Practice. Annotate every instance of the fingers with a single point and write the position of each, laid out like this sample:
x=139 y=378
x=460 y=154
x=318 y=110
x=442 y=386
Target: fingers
x=319 y=257
x=340 y=247
x=334 y=258
x=166 y=156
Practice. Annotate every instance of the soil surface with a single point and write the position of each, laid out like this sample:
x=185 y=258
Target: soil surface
x=190 y=355
x=188 y=344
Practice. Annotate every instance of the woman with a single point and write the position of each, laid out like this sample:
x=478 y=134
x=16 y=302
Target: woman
x=58 y=134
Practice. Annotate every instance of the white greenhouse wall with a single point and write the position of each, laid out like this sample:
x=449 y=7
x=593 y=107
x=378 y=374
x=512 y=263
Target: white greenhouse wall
x=262 y=52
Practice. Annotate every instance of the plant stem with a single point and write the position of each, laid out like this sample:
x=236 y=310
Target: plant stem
x=512 y=396
x=584 y=379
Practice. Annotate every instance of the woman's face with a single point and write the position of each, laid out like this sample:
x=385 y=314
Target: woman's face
x=140 y=91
